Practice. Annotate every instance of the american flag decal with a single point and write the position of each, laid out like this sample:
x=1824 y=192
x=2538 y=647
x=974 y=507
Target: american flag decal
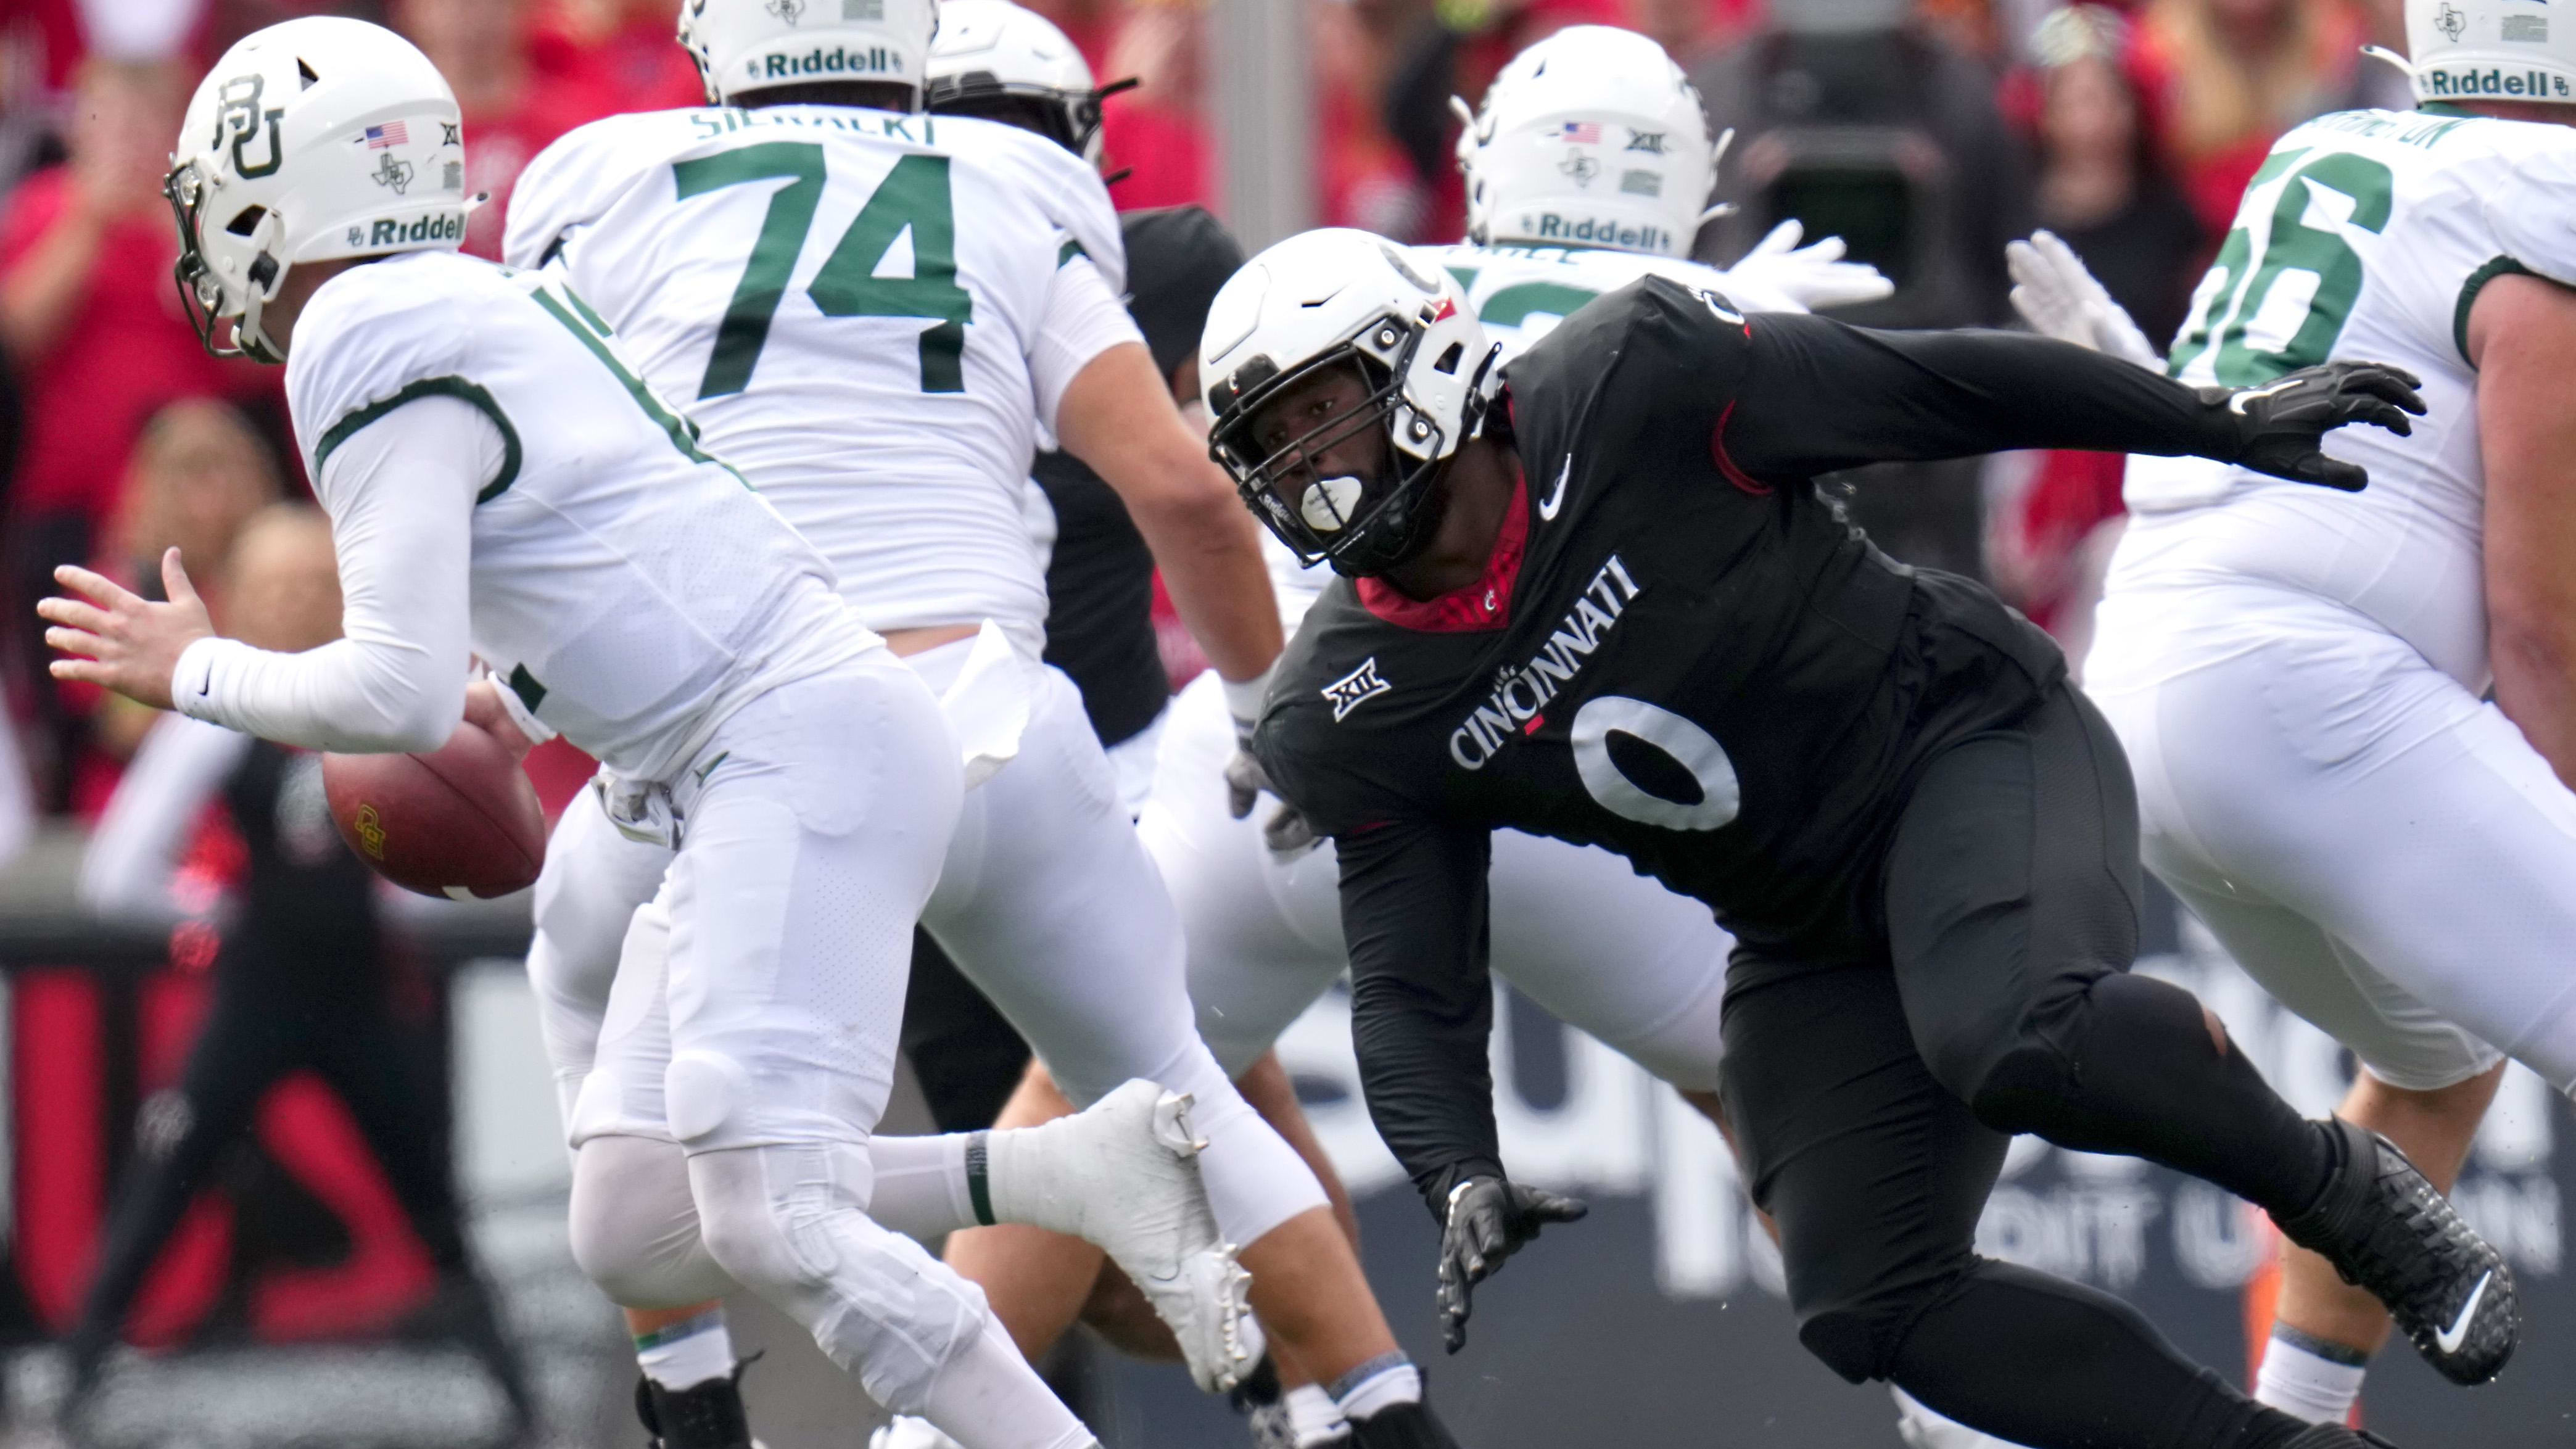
x=1586 y=132
x=394 y=133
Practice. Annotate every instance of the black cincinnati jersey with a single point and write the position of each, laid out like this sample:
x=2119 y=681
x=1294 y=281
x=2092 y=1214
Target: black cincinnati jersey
x=1680 y=651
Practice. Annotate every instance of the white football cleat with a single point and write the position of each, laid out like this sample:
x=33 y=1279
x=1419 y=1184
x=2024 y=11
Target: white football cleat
x=1122 y=1175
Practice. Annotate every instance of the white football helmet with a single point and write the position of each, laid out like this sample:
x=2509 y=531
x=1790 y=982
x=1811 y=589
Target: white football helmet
x=1590 y=138
x=1001 y=62
x=1344 y=299
x=745 y=45
x=2490 y=50
x=311 y=140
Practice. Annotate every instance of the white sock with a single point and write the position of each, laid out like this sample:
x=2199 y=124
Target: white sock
x=922 y=1185
x=687 y=1353
x=2308 y=1376
x=1313 y=1416
x=1381 y=1383
x=989 y=1398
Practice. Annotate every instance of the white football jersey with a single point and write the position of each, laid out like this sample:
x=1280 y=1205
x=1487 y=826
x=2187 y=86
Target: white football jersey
x=630 y=588
x=863 y=311
x=2365 y=236
x=1519 y=294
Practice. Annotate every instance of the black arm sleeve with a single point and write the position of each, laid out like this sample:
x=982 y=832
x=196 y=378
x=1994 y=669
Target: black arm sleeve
x=1413 y=912
x=1817 y=395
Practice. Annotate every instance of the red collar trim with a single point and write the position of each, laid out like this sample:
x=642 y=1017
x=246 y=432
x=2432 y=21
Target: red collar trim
x=1484 y=604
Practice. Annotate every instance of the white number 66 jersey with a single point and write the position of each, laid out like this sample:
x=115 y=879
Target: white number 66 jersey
x=2366 y=236
x=871 y=315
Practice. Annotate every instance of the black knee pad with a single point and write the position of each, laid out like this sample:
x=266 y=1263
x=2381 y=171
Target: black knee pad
x=2022 y=1089
x=1859 y=1338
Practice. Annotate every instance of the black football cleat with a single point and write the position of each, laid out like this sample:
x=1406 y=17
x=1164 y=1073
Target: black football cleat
x=702 y=1416
x=2384 y=1228
x=1401 y=1426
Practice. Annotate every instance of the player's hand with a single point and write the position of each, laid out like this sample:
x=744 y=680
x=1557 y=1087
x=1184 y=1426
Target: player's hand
x=1286 y=832
x=2280 y=424
x=2058 y=296
x=483 y=707
x=118 y=638
x=1489 y=1220
x=1811 y=277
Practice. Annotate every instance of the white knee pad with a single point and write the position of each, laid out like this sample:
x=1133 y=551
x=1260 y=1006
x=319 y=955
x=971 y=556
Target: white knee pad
x=790 y=1223
x=635 y=1225
x=1255 y=1181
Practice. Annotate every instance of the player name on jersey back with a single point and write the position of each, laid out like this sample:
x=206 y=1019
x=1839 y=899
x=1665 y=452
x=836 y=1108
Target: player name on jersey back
x=861 y=310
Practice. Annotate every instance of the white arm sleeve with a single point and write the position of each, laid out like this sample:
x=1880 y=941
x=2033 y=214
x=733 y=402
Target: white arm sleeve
x=400 y=493
x=135 y=850
x=1084 y=319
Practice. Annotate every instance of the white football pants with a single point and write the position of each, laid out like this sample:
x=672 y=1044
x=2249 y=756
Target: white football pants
x=1578 y=931
x=1046 y=901
x=812 y=826
x=2379 y=848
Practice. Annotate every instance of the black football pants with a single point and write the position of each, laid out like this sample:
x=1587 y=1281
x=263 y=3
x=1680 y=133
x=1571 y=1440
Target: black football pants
x=1873 y=1099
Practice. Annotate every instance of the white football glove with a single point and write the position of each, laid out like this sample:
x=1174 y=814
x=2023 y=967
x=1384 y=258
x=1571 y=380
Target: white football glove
x=1809 y=278
x=2058 y=297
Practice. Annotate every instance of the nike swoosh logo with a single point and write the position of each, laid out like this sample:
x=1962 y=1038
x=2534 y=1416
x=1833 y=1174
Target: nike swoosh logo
x=1547 y=506
x=2450 y=1339
x=2237 y=403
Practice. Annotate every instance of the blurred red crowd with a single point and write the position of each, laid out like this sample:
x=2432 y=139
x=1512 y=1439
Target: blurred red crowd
x=2130 y=129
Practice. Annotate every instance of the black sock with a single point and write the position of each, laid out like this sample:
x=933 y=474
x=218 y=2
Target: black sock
x=2055 y=1365
x=2137 y=1073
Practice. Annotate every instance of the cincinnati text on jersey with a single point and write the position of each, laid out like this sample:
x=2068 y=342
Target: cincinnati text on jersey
x=1517 y=701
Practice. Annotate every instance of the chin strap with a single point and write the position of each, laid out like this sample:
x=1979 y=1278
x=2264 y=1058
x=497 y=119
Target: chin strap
x=2381 y=52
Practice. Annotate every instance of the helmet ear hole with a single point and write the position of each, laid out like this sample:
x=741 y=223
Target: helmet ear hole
x=304 y=70
x=1449 y=360
x=246 y=220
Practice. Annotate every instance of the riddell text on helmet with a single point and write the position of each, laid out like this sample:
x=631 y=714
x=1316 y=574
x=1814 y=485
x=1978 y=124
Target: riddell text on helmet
x=449 y=226
x=839 y=60
x=1600 y=231
x=2493 y=81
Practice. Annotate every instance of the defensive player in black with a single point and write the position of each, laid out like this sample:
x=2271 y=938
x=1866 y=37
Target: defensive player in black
x=1597 y=597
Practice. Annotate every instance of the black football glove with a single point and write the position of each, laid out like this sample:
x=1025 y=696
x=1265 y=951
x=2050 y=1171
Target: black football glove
x=1489 y=1220
x=2279 y=425
x=1286 y=831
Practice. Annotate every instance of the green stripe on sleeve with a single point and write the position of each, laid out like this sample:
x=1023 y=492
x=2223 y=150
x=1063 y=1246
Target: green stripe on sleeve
x=2477 y=282
x=455 y=387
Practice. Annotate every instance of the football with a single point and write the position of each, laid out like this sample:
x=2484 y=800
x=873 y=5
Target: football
x=460 y=821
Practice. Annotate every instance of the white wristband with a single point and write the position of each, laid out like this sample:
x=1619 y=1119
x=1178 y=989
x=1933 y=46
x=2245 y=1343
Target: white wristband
x=1243 y=697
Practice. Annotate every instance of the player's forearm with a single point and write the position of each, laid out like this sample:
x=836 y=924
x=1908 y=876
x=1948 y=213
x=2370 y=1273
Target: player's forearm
x=1209 y=550
x=1424 y=1069
x=1899 y=396
x=1422 y=1002
x=1117 y=417
x=377 y=697
x=2535 y=686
